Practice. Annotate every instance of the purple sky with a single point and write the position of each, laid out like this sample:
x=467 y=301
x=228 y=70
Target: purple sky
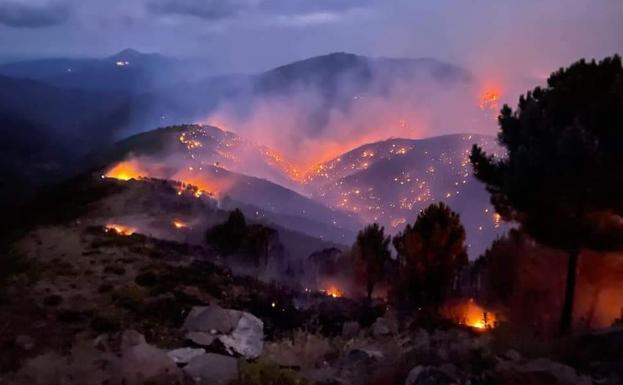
x=530 y=37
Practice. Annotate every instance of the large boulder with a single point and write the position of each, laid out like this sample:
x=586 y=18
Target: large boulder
x=201 y=338
x=211 y=319
x=212 y=369
x=247 y=338
x=238 y=331
x=183 y=356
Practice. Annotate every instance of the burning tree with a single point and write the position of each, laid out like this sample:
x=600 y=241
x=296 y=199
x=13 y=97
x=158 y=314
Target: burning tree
x=371 y=253
x=431 y=254
x=561 y=178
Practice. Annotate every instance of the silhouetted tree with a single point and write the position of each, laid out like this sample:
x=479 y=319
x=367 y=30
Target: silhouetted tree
x=561 y=178
x=371 y=252
x=259 y=241
x=431 y=254
x=230 y=235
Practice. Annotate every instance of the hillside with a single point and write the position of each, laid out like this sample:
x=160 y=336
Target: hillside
x=391 y=181
x=227 y=167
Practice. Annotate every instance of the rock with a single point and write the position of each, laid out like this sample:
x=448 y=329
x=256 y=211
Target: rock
x=200 y=338
x=25 y=342
x=142 y=362
x=373 y=354
x=212 y=369
x=184 y=355
x=563 y=373
x=247 y=338
x=380 y=327
x=131 y=338
x=421 y=340
x=426 y=375
x=541 y=368
x=357 y=357
x=513 y=355
x=211 y=319
x=350 y=329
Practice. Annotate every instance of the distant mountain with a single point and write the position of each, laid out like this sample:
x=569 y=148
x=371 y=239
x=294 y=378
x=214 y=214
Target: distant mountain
x=126 y=71
x=52 y=121
x=333 y=81
x=330 y=72
x=391 y=181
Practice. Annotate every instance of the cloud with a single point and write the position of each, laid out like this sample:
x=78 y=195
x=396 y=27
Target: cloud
x=22 y=14
x=286 y=12
x=311 y=7
x=307 y=19
x=203 y=9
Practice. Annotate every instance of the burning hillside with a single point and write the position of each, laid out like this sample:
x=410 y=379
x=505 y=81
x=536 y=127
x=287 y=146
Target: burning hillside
x=390 y=182
x=386 y=182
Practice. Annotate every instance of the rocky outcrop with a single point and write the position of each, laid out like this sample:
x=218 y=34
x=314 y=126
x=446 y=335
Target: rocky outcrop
x=541 y=368
x=141 y=362
x=238 y=331
x=212 y=369
x=95 y=362
x=183 y=356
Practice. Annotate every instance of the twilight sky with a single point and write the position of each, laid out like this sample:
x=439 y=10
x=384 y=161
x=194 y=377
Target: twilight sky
x=527 y=37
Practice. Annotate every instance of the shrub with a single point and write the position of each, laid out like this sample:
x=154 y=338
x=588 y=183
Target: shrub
x=266 y=373
x=106 y=324
x=53 y=300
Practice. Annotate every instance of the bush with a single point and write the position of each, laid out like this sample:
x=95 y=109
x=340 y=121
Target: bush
x=13 y=264
x=146 y=279
x=266 y=373
x=53 y=300
x=106 y=324
x=129 y=297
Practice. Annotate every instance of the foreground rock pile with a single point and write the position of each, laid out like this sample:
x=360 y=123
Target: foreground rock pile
x=237 y=351
x=104 y=309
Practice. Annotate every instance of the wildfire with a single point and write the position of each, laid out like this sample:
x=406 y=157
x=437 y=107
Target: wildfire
x=471 y=314
x=120 y=229
x=489 y=99
x=126 y=170
x=179 y=224
x=334 y=291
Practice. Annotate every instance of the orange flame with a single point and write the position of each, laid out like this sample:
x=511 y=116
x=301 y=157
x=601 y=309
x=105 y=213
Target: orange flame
x=471 y=314
x=333 y=291
x=489 y=98
x=179 y=224
x=127 y=170
x=119 y=229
